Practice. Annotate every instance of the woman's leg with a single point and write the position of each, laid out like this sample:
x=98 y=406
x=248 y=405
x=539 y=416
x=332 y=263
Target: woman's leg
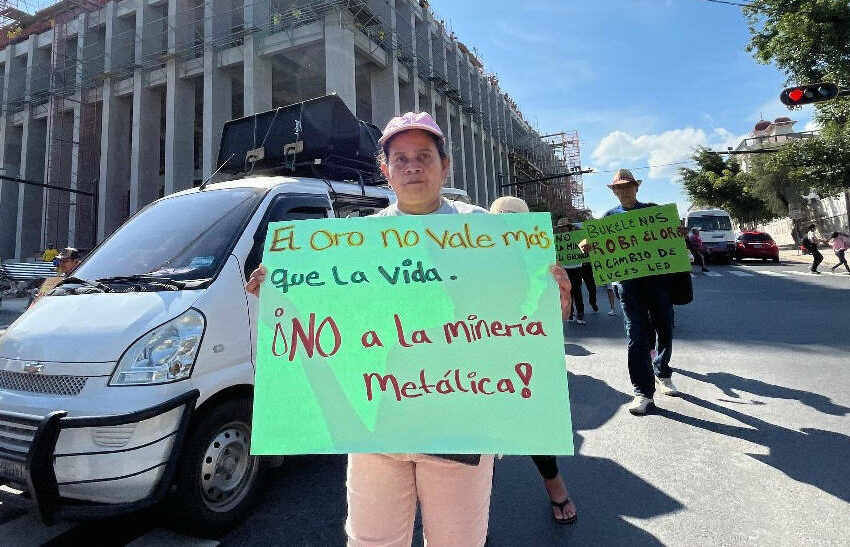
x=555 y=487
x=547 y=466
x=842 y=260
x=575 y=290
x=590 y=283
x=610 y=290
x=381 y=500
x=454 y=499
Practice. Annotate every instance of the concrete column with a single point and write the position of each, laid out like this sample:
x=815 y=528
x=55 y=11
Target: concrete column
x=8 y=189
x=339 y=60
x=144 y=151
x=257 y=71
x=481 y=163
x=471 y=174
x=33 y=144
x=386 y=100
x=76 y=135
x=218 y=88
x=415 y=76
x=30 y=198
x=494 y=141
x=179 y=107
x=114 y=182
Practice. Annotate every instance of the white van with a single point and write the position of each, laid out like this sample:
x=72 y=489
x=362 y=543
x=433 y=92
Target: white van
x=134 y=378
x=715 y=229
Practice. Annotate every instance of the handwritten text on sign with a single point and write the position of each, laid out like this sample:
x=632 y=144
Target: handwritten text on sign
x=566 y=246
x=636 y=244
x=436 y=334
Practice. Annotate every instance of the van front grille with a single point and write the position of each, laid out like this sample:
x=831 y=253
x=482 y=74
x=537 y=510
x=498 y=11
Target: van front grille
x=42 y=383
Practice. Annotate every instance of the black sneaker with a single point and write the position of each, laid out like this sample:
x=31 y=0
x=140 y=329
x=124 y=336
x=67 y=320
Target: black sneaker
x=580 y=320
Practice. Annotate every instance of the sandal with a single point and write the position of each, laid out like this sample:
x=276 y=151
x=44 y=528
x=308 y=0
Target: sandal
x=562 y=506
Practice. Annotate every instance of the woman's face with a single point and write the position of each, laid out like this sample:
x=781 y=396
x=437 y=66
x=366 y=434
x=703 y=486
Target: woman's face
x=415 y=171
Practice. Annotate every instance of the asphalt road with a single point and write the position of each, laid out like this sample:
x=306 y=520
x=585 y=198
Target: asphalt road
x=754 y=452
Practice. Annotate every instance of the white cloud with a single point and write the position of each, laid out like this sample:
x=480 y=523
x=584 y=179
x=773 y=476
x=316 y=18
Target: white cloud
x=812 y=125
x=620 y=149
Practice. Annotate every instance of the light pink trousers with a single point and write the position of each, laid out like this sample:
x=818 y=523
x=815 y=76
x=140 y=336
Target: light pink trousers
x=383 y=490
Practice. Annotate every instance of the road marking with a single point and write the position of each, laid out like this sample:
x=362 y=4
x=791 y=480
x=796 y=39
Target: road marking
x=740 y=274
x=767 y=272
x=713 y=274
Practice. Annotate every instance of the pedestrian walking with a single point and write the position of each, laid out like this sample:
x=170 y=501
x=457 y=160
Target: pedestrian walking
x=578 y=276
x=383 y=490
x=840 y=243
x=697 y=248
x=563 y=508
x=810 y=242
x=647 y=315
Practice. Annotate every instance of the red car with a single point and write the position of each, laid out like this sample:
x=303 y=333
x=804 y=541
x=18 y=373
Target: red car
x=756 y=245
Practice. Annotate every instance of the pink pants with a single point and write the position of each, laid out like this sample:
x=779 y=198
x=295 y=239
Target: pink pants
x=383 y=490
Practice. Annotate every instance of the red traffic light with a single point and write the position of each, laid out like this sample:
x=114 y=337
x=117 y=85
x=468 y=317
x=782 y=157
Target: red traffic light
x=807 y=94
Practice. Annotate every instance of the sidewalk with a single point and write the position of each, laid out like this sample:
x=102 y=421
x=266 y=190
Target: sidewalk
x=793 y=256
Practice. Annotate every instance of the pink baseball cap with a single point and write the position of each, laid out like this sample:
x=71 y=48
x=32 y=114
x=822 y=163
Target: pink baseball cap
x=408 y=121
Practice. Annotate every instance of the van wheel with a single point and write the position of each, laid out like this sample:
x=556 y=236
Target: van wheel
x=217 y=477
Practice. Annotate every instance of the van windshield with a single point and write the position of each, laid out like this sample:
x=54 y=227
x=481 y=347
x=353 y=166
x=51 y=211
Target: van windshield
x=182 y=238
x=710 y=223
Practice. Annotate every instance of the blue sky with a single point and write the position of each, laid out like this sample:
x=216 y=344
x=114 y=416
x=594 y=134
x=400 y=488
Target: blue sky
x=643 y=81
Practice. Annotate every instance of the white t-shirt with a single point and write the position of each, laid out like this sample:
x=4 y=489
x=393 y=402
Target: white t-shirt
x=811 y=236
x=448 y=207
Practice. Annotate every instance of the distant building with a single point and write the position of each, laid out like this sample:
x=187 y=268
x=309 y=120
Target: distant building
x=828 y=213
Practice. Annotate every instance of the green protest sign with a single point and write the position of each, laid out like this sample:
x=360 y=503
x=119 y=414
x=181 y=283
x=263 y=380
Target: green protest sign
x=566 y=247
x=421 y=334
x=636 y=244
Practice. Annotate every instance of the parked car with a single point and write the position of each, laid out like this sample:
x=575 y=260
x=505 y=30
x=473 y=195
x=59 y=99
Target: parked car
x=753 y=244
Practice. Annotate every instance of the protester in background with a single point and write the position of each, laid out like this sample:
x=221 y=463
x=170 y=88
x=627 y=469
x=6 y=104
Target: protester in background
x=589 y=281
x=68 y=260
x=563 y=509
x=810 y=242
x=49 y=253
x=647 y=313
x=695 y=245
x=574 y=271
x=840 y=243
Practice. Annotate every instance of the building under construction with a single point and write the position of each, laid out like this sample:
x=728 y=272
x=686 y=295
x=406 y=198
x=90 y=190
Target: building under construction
x=110 y=105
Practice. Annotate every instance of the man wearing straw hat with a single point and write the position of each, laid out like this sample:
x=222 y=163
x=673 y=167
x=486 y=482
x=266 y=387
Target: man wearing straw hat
x=647 y=315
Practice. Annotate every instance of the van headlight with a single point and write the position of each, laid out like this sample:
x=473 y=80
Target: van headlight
x=165 y=354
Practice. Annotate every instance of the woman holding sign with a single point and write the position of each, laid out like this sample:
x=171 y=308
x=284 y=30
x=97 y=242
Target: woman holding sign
x=453 y=490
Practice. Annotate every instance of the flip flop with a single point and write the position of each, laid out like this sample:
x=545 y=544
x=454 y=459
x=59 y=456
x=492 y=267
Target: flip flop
x=562 y=506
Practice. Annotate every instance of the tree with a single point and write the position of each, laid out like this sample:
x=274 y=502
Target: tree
x=810 y=41
x=721 y=183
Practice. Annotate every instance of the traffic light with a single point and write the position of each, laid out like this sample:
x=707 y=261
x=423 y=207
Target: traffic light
x=807 y=94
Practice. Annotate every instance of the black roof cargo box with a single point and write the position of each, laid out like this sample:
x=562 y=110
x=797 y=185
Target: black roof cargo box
x=318 y=138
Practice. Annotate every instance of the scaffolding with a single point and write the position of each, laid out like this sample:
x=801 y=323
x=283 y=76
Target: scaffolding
x=68 y=81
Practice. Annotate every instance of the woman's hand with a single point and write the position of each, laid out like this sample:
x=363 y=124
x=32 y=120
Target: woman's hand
x=564 y=287
x=256 y=279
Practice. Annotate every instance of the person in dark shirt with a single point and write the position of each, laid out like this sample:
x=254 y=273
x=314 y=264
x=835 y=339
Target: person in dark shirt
x=647 y=315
